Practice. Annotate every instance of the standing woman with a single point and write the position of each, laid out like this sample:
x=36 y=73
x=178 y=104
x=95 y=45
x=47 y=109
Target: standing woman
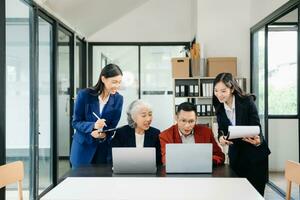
x=97 y=108
x=248 y=157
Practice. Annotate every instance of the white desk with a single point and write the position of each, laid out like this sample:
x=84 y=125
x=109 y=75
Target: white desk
x=102 y=188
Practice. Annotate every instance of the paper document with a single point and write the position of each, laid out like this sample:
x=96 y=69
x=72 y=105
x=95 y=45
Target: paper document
x=242 y=131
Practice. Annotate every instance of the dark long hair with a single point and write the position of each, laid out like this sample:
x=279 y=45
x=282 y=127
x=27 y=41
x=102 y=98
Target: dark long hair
x=110 y=70
x=231 y=83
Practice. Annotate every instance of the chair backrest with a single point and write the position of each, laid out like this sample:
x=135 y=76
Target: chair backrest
x=11 y=173
x=292 y=174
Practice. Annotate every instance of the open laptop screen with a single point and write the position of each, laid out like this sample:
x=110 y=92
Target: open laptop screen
x=189 y=158
x=134 y=160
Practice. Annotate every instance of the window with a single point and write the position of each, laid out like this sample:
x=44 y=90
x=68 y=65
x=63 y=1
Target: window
x=282 y=69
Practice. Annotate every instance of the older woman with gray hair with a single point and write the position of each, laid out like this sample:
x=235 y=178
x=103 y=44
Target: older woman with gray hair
x=138 y=133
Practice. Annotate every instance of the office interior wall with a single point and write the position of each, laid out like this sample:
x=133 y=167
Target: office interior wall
x=283 y=142
x=262 y=8
x=224 y=28
x=154 y=21
x=221 y=26
x=194 y=19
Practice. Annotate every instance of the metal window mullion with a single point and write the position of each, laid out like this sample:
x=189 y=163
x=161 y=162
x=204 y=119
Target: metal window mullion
x=2 y=90
x=139 y=72
x=33 y=105
x=54 y=107
x=298 y=81
x=266 y=94
x=72 y=86
x=84 y=65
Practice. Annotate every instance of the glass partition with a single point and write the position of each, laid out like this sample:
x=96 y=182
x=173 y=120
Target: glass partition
x=45 y=128
x=275 y=83
x=282 y=97
x=78 y=66
x=18 y=17
x=282 y=65
x=126 y=57
x=63 y=101
x=157 y=82
x=258 y=73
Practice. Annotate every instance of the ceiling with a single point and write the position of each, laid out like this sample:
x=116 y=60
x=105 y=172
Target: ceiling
x=90 y=16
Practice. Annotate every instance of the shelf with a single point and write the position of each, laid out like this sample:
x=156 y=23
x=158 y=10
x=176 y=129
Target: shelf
x=198 y=86
x=208 y=117
x=195 y=97
x=187 y=78
x=202 y=77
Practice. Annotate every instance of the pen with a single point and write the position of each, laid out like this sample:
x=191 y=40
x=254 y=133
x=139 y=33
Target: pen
x=98 y=118
x=96 y=115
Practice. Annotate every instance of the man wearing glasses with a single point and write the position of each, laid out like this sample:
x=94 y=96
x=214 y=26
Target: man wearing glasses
x=187 y=131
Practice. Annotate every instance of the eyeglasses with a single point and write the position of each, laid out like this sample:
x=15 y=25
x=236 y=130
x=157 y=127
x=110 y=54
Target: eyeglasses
x=184 y=121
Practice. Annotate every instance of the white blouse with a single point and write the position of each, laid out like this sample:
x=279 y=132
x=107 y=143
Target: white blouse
x=102 y=103
x=230 y=112
x=139 y=140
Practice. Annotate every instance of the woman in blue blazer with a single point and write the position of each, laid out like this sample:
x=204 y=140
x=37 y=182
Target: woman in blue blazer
x=138 y=133
x=248 y=157
x=97 y=108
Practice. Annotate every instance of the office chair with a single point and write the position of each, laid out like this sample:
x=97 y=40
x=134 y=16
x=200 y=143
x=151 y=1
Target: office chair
x=10 y=173
x=292 y=174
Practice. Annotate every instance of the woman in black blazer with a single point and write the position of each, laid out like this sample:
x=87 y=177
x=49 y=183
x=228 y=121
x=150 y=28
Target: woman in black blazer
x=248 y=157
x=138 y=133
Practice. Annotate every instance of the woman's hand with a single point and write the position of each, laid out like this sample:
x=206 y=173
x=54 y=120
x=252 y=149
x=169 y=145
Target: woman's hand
x=223 y=141
x=98 y=135
x=252 y=140
x=99 y=124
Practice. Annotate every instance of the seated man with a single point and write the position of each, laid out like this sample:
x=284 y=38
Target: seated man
x=186 y=131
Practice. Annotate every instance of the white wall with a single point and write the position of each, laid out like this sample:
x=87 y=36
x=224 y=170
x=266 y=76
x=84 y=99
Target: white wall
x=262 y=8
x=194 y=18
x=224 y=28
x=154 y=21
x=283 y=142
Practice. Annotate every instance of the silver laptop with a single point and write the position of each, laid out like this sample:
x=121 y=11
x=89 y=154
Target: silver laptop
x=189 y=158
x=134 y=160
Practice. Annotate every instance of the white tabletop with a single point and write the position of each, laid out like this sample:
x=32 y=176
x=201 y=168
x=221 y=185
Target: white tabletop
x=113 y=188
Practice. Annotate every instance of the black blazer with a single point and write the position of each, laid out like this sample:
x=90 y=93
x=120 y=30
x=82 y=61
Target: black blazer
x=246 y=114
x=125 y=137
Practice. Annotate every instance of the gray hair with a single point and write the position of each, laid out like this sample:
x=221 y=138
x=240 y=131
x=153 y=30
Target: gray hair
x=132 y=110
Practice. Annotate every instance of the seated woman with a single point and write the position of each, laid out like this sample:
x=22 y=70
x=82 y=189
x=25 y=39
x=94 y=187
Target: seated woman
x=138 y=133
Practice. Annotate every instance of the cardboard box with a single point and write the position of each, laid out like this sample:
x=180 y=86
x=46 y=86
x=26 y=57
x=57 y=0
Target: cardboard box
x=180 y=67
x=216 y=65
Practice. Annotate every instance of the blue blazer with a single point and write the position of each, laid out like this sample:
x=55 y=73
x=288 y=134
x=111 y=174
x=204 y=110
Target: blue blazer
x=84 y=145
x=125 y=137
